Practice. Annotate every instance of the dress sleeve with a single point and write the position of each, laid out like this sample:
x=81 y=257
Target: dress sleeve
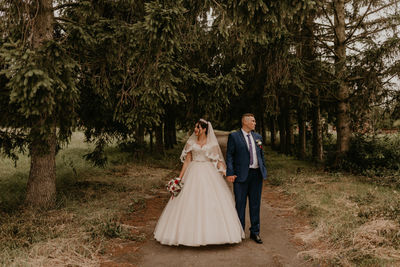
x=215 y=155
x=188 y=147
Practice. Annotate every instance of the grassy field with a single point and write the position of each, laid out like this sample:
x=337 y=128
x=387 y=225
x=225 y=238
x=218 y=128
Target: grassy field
x=352 y=222
x=90 y=202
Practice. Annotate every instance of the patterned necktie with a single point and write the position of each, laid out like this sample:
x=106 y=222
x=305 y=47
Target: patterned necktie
x=250 y=150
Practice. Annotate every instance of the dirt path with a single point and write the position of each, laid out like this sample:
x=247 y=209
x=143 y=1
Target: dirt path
x=279 y=224
x=278 y=248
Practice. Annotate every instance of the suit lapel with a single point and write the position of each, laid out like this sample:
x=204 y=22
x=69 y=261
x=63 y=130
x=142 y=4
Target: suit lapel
x=243 y=140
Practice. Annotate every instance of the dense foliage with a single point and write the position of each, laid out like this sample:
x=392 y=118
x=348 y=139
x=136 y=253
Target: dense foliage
x=375 y=157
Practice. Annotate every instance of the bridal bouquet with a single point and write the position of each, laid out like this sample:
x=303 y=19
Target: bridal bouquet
x=174 y=186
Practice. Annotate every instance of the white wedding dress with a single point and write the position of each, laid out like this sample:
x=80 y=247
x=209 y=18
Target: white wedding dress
x=204 y=212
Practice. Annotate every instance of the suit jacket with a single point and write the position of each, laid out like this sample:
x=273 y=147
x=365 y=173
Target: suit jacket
x=238 y=156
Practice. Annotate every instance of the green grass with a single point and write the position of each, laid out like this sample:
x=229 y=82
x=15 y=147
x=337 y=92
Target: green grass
x=90 y=203
x=72 y=171
x=358 y=223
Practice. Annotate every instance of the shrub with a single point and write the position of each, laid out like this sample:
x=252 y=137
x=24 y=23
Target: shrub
x=377 y=157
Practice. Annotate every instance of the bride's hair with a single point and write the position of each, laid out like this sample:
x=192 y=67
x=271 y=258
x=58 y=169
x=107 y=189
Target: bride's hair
x=204 y=124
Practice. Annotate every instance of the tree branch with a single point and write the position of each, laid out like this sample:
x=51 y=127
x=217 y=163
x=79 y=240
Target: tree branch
x=322 y=42
x=322 y=25
x=359 y=22
x=380 y=20
x=65 y=20
x=382 y=7
x=354 y=49
x=335 y=11
x=61 y=6
x=388 y=81
x=329 y=19
x=367 y=33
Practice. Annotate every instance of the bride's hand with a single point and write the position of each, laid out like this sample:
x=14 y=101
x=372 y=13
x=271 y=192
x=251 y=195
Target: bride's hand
x=231 y=178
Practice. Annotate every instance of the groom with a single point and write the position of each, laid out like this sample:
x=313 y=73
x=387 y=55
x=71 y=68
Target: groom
x=246 y=170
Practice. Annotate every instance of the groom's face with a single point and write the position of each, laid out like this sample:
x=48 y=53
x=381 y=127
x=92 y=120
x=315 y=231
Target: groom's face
x=249 y=123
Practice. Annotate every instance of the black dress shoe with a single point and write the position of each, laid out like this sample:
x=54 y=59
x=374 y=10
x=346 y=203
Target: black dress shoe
x=256 y=238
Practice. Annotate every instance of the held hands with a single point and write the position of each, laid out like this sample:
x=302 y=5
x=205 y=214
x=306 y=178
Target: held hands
x=231 y=178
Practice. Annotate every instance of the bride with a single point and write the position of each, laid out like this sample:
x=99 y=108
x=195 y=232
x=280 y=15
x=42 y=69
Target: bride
x=204 y=212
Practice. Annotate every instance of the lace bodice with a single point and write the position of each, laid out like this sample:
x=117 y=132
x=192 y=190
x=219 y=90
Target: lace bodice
x=199 y=153
x=205 y=153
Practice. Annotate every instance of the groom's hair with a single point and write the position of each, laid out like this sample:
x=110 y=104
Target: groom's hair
x=244 y=116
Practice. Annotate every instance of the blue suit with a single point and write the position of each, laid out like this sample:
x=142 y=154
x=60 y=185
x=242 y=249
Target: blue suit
x=248 y=183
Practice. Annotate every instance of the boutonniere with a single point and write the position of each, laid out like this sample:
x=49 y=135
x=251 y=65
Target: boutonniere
x=259 y=143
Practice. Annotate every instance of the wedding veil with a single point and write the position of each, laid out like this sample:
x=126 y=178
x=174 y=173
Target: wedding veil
x=212 y=148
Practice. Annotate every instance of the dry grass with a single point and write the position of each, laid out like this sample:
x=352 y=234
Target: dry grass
x=352 y=223
x=90 y=204
x=376 y=238
x=73 y=251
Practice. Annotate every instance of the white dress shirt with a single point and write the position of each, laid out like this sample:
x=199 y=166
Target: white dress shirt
x=253 y=144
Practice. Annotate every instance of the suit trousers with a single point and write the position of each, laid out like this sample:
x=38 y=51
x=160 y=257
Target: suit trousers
x=251 y=188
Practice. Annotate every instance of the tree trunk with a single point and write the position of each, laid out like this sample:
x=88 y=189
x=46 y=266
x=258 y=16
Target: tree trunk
x=140 y=135
x=273 y=132
x=309 y=56
x=261 y=123
x=302 y=134
x=174 y=140
x=289 y=127
x=263 y=130
x=159 y=139
x=169 y=130
x=150 y=131
x=282 y=126
x=317 y=147
x=258 y=125
x=167 y=133
x=282 y=134
x=343 y=120
x=41 y=187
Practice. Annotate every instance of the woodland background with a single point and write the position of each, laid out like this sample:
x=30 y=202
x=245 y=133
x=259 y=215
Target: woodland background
x=321 y=77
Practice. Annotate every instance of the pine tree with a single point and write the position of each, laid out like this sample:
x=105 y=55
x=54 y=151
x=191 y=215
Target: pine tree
x=39 y=94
